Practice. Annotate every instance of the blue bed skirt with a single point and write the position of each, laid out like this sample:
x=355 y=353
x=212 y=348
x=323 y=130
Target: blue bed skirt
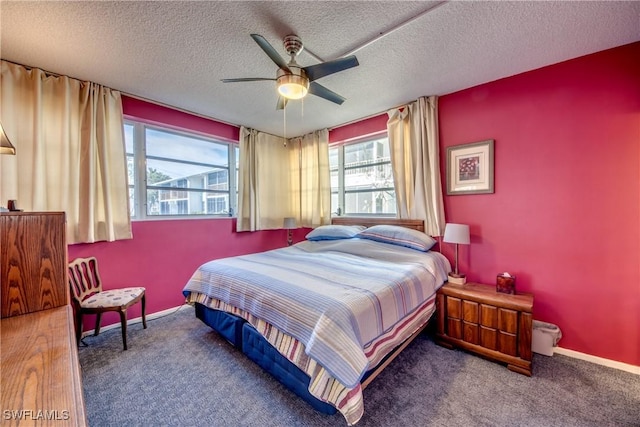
x=226 y=324
x=241 y=334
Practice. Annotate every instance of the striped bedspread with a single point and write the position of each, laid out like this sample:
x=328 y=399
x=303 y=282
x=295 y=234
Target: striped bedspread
x=335 y=297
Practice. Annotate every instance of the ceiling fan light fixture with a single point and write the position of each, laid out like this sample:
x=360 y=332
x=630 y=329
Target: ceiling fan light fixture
x=292 y=86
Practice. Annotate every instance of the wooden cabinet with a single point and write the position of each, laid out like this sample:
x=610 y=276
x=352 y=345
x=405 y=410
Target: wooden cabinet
x=476 y=318
x=41 y=381
x=33 y=262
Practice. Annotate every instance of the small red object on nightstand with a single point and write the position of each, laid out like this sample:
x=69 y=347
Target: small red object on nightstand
x=506 y=283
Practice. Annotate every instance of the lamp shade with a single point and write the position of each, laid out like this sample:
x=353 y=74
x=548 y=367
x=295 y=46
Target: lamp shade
x=292 y=86
x=5 y=145
x=456 y=233
x=289 y=223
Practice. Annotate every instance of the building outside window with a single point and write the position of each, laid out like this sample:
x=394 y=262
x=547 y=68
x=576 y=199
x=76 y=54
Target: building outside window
x=179 y=174
x=361 y=178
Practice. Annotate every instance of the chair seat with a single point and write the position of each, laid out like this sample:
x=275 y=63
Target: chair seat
x=112 y=298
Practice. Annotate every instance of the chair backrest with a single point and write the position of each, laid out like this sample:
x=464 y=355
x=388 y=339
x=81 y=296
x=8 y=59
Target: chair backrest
x=84 y=278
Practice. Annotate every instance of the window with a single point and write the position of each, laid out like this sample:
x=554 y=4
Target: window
x=179 y=174
x=361 y=178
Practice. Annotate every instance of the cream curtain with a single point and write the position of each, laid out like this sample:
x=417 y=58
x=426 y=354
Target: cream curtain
x=413 y=140
x=265 y=187
x=280 y=179
x=314 y=188
x=70 y=154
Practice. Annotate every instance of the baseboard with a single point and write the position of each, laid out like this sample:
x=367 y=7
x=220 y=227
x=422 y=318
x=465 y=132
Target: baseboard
x=135 y=320
x=598 y=360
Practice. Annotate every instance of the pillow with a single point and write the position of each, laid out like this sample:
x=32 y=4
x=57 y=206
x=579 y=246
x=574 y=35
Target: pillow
x=401 y=236
x=334 y=232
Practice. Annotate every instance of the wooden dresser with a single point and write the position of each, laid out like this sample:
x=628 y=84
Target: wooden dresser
x=41 y=382
x=495 y=325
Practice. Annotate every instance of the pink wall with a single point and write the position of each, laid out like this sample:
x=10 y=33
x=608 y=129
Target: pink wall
x=360 y=129
x=565 y=215
x=168 y=117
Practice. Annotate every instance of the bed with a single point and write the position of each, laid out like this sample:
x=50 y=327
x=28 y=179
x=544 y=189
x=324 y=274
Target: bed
x=326 y=315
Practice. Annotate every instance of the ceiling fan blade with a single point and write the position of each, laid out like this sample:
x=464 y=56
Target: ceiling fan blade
x=323 y=92
x=246 y=79
x=282 y=102
x=270 y=51
x=314 y=72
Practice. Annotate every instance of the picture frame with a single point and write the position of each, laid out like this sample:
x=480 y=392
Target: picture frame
x=470 y=168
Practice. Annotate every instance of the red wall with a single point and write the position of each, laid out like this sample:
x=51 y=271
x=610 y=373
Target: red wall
x=565 y=215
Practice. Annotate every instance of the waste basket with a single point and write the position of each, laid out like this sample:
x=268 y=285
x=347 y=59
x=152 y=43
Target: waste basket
x=545 y=337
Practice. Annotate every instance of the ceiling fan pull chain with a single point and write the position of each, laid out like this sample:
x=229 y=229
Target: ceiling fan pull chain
x=284 y=121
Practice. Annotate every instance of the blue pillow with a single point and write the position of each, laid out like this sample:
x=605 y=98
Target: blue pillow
x=401 y=236
x=334 y=232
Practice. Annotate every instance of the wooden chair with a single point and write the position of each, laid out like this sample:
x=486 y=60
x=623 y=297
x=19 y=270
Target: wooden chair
x=89 y=298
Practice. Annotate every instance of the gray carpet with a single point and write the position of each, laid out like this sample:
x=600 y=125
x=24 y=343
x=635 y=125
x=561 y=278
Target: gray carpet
x=178 y=372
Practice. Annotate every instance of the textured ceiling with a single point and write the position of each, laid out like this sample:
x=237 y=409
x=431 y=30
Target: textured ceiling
x=175 y=53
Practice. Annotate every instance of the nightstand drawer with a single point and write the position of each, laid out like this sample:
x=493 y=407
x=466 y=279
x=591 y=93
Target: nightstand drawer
x=470 y=332
x=454 y=308
x=508 y=320
x=489 y=316
x=470 y=311
x=488 y=338
x=507 y=343
x=454 y=328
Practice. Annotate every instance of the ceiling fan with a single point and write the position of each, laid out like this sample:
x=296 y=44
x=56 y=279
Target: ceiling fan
x=294 y=81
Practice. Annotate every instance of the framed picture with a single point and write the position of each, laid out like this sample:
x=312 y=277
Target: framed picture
x=470 y=168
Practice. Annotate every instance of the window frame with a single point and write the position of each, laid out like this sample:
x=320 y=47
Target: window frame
x=141 y=187
x=342 y=192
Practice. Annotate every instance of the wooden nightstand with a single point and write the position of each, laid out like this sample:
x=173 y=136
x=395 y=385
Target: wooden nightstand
x=476 y=318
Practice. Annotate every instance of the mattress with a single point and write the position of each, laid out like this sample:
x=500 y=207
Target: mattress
x=334 y=309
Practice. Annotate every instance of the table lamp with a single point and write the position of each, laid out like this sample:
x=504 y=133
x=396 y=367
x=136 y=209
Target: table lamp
x=458 y=234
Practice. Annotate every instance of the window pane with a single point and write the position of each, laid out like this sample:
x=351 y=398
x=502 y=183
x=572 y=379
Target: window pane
x=168 y=174
x=218 y=204
x=366 y=152
x=334 y=175
x=132 y=204
x=333 y=158
x=128 y=142
x=176 y=202
x=370 y=202
x=368 y=177
x=237 y=183
x=218 y=179
x=180 y=147
x=334 y=203
x=185 y=174
x=128 y=138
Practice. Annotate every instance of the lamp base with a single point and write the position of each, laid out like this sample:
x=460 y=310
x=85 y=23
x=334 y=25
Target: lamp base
x=458 y=279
